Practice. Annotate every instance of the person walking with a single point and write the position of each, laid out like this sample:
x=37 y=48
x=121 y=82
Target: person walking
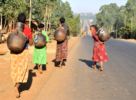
x=19 y=62
x=40 y=55
x=99 y=50
x=62 y=47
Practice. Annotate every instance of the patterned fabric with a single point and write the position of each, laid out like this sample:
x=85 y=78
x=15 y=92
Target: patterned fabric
x=19 y=67
x=99 y=51
x=19 y=62
x=62 y=51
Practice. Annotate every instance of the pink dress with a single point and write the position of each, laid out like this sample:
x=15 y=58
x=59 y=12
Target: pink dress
x=99 y=50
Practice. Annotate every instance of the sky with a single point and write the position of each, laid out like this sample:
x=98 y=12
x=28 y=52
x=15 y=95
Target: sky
x=93 y=6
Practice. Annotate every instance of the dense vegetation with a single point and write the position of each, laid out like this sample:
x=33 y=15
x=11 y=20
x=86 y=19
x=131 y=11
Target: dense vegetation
x=121 y=21
x=47 y=11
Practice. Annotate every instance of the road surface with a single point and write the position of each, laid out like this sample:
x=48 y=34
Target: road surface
x=78 y=81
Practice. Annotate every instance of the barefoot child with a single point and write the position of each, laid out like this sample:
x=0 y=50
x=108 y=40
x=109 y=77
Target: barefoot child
x=40 y=56
x=99 y=50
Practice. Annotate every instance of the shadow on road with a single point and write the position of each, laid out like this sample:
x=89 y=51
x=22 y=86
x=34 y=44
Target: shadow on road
x=89 y=63
x=26 y=86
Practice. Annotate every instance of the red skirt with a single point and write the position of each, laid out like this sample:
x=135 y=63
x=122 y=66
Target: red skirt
x=99 y=53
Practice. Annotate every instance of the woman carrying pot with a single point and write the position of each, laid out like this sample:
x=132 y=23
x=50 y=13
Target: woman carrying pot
x=62 y=46
x=19 y=62
x=99 y=50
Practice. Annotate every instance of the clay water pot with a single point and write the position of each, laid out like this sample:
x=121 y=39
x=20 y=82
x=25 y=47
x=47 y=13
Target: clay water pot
x=16 y=40
x=60 y=35
x=103 y=35
x=39 y=40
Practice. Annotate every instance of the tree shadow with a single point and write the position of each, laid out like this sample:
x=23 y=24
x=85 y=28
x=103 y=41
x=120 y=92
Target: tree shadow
x=89 y=63
x=26 y=86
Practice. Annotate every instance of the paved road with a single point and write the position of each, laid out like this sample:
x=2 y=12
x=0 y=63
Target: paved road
x=78 y=81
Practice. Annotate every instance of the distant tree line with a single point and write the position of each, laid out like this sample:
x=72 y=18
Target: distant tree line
x=120 y=21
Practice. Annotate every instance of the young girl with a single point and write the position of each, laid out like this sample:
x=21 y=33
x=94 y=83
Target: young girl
x=40 y=56
x=99 y=51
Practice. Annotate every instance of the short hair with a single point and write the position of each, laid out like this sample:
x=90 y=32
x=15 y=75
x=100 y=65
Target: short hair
x=62 y=20
x=94 y=26
x=21 y=18
x=41 y=25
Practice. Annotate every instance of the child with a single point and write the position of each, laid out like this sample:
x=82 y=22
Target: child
x=40 y=55
x=99 y=51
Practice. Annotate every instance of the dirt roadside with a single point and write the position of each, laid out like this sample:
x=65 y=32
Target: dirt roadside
x=36 y=81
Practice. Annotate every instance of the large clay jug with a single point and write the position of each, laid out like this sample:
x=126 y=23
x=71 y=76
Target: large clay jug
x=39 y=40
x=103 y=35
x=16 y=40
x=60 y=35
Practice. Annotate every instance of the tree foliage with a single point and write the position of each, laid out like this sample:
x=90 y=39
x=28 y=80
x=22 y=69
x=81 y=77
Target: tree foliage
x=120 y=20
x=46 y=11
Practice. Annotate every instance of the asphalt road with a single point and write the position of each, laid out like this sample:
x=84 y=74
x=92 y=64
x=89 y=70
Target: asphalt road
x=78 y=81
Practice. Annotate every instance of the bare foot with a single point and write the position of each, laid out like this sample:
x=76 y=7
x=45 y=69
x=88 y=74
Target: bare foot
x=17 y=92
x=40 y=71
x=101 y=68
x=94 y=67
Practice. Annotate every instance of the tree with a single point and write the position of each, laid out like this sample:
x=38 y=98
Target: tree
x=11 y=9
x=108 y=15
x=74 y=24
x=47 y=11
